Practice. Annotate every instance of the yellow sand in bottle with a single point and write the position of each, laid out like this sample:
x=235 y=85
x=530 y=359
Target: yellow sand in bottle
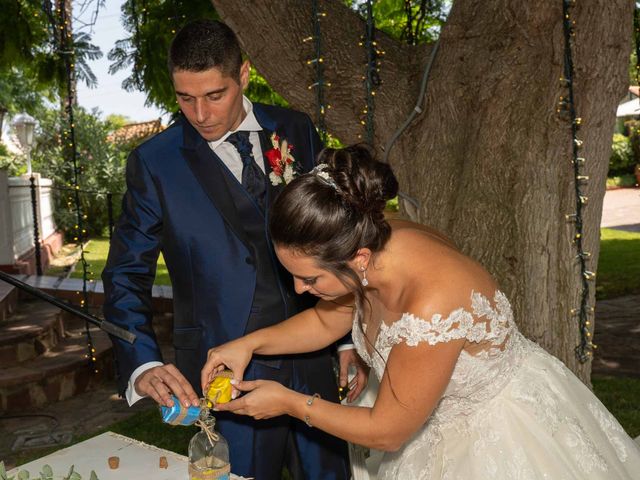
x=200 y=471
x=219 y=390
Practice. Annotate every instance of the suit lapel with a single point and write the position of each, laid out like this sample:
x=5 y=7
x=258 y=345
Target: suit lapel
x=210 y=173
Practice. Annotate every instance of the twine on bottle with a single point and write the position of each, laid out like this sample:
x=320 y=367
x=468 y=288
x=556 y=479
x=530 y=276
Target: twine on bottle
x=209 y=431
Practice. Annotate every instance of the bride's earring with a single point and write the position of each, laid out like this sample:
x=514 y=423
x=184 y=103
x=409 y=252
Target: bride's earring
x=365 y=282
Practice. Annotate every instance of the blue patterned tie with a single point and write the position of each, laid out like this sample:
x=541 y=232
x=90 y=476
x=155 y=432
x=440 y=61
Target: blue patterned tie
x=252 y=177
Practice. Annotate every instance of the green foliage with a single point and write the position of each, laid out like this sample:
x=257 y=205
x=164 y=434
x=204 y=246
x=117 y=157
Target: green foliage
x=23 y=31
x=101 y=164
x=260 y=91
x=145 y=49
x=632 y=130
x=13 y=164
x=624 y=181
x=618 y=264
x=45 y=474
x=116 y=121
x=26 y=45
x=633 y=68
x=393 y=205
x=21 y=92
x=413 y=21
x=622 y=160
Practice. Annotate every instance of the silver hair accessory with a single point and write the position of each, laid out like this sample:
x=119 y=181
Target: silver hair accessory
x=320 y=171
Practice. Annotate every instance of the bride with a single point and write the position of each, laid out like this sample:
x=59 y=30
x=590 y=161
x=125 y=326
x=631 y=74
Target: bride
x=463 y=394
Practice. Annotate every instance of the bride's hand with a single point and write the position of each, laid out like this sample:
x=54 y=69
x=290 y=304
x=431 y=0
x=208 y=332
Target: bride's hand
x=264 y=399
x=234 y=355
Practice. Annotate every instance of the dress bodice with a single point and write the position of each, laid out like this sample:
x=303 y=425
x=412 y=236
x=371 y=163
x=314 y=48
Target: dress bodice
x=476 y=377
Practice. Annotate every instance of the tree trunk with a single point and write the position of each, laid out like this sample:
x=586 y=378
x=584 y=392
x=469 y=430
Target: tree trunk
x=67 y=82
x=489 y=159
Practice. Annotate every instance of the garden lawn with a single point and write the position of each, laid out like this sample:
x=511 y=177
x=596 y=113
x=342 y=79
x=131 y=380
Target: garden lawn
x=619 y=264
x=95 y=253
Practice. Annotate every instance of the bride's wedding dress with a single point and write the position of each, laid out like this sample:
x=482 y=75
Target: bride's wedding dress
x=510 y=411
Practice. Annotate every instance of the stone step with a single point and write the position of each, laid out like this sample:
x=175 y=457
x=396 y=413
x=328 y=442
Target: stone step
x=32 y=329
x=57 y=374
x=8 y=300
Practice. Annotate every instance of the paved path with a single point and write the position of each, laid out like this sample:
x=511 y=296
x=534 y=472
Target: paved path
x=621 y=209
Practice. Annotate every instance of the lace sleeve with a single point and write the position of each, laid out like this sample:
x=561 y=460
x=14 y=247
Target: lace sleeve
x=485 y=323
x=413 y=330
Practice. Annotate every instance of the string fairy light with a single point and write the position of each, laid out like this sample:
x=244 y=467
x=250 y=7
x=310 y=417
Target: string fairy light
x=566 y=107
x=62 y=38
x=318 y=63
x=372 y=73
x=636 y=38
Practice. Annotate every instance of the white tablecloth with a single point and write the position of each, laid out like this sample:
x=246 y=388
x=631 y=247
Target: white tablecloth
x=137 y=460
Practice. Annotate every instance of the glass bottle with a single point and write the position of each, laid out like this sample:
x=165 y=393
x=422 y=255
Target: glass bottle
x=208 y=452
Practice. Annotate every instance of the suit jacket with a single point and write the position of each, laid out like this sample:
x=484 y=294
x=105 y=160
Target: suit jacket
x=182 y=200
x=178 y=201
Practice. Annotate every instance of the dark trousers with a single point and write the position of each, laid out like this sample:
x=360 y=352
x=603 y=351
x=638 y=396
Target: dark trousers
x=261 y=448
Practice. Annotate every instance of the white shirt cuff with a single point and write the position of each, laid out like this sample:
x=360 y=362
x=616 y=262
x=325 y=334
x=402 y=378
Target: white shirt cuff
x=130 y=394
x=343 y=347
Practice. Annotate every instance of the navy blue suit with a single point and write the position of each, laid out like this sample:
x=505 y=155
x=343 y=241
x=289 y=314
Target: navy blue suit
x=182 y=200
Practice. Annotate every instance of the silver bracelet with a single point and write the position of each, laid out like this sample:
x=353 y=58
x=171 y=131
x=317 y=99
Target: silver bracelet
x=307 y=418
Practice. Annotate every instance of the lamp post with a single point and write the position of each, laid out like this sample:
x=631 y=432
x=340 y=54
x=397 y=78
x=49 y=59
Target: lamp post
x=24 y=125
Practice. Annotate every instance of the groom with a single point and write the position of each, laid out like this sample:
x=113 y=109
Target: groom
x=200 y=192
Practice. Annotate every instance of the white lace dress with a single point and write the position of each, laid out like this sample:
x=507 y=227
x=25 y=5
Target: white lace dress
x=512 y=411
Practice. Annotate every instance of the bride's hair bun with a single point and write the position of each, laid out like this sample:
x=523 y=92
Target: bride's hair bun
x=336 y=209
x=366 y=183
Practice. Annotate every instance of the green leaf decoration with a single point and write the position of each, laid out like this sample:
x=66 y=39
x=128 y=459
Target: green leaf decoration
x=75 y=476
x=46 y=473
x=93 y=476
x=71 y=472
x=23 y=475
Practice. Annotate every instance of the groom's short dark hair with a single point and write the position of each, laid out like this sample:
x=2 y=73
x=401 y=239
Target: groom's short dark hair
x=204 y=44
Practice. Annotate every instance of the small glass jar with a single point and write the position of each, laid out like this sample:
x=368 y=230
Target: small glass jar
x=208 y=453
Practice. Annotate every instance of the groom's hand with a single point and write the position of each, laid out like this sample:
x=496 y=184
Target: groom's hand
x=162 y=381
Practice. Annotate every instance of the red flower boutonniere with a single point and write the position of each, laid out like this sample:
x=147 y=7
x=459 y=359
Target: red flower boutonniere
x=281 y=161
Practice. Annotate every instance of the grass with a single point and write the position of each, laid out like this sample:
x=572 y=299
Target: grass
x=621 y=396
x=96 y=252
x=619 y=264
x=148 y=427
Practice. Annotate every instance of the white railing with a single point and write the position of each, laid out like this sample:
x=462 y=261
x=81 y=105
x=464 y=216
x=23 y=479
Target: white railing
x=16 y=215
